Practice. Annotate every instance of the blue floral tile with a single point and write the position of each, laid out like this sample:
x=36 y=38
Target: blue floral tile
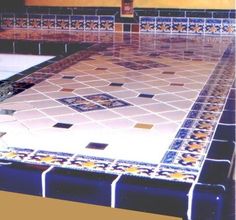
x=147 y=24
x=8 y=20
x=197 y=124
x=49 y=158
x=182 y=174
x=107 y=23
x=76 y=100
x=114 y=103
x=211 y=100
x=35 y=21
x=196 y=26
x=82 y=162
x=89 y=106
x=196 y=135
x=213 y=26
x=17 y=154
x=207 y=107
x=62 y=22
x=163 y=25
x=179 y=25
x=228 y=26
x=99 y=97
x=133 y=168
x=189 y=146
x=21 y=21
x=77 y=22
x=91 y=23
x=48 y=21
x=183 y=159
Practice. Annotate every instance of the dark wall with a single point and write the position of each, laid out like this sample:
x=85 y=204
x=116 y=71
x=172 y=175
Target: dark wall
x=11 y=4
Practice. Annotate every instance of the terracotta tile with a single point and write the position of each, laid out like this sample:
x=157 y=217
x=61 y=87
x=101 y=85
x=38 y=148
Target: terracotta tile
x=118 y=27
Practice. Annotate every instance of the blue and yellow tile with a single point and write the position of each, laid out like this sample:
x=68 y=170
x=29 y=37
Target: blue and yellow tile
x=176 y=173
x=228 y=26
x=35 y=21
x=89 y=106
x=133 y=168
x=147 y=24
x=107 y=23
x=8 y=20
x=179 y=25
x=49 y=158
x=62 y=22
x=16 y=154
x=91 y=23
x=196 y=26
x=163 y=25
x=77 y=22
x=21 y=21
x=213 y=26
x=189 y=146
x=48 y=21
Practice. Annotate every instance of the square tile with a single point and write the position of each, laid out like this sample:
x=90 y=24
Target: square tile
x=96 y=146
x=21 y=21
x=196 y=26
x=17 y=154
x=77 y=22
x=147 y=24
x=48 y=21
x=118 y=27
x=163 y=25
x=116 y=84
x=228 y=26
x=62 y=22
x=179 y=25
x=62 y=125
x=213 y=26
x=142 y=95
x=107 y=23
x=35 y=21
x=92 y=23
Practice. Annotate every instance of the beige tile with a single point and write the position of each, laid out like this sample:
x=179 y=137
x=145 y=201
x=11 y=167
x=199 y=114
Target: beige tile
x=143 y=126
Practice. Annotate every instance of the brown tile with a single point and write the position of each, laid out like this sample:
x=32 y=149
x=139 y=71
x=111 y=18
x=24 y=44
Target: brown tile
x=118 y=27
x=66 y=90
x=177 y=84
x=143 y=126
x=135 y=28
x=168 y=72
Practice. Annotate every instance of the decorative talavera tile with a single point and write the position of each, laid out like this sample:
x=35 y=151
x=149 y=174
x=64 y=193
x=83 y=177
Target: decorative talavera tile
x=77 y=22
x=163 y=25
x=48 y=22
x=184 y=174
x=215 y=91
x=211 y=100
x=147 y=24
x=179 y=25
x=196 y=26
x=213 y=26
x=183 y=159
x=8 y=20
x=107 y=23
x=21 y=21
x=35 y=21
x=190 y=146
x=201 y=125
x=91 y=23
x=207 y=107
x=49 y=158
x=196 y=135
x=82 y=162
x=228 y=26
x=62 y=22
x=16 y=154
x=133 y=168
x=212 y=116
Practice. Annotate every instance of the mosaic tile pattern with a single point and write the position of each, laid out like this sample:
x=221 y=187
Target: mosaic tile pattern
x=143 y=95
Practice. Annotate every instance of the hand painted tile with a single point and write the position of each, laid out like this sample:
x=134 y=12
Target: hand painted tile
x=196 y=135
x=89 y=163
x=180 y=174
x=201 y=125
x=49 y=158
x=213 y=26
x=211 y=100
x=163 y=25
x=17 y=154
x=77 y=22
x=204 y=115
x=62 y=22
x=207 y=107
x=92 y=23
x=35 y=21
x=21 y=21
x=183 y=159
x=196 y=26
x=8 y=20
x=48 y=21
x=99 y=97
x=147 y=24
x=179 y=25
x=89 y=106
x=73 y=100
x=107 y=23
x=114 y=103
x=228 y=26
x=132 y=168
x=189 y=146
